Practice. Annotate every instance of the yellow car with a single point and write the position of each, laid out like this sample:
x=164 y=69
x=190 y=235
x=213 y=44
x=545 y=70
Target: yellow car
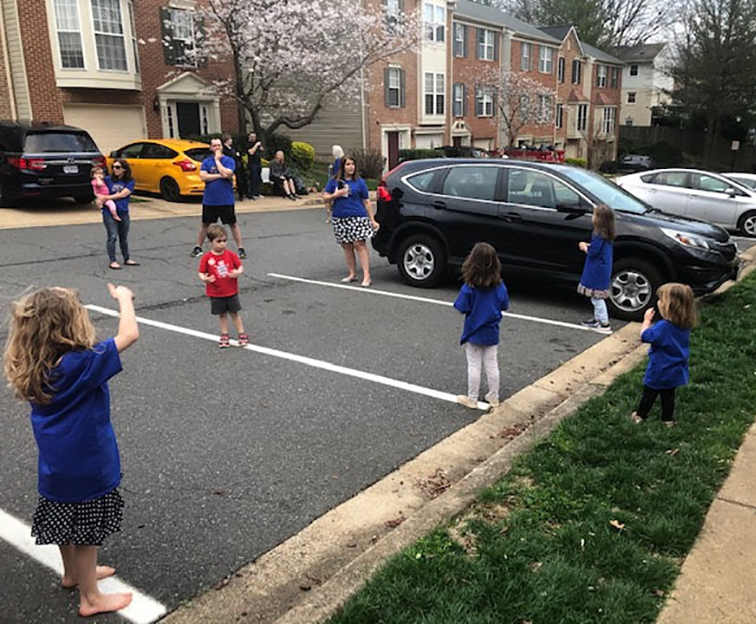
x=166 y=166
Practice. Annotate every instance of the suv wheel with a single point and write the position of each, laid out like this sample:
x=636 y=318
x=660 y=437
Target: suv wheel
x=747 y=224
x=633 y=288
x=421 y=261
x=169 y=189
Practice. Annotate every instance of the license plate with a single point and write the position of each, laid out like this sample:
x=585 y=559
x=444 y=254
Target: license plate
x=71 y=169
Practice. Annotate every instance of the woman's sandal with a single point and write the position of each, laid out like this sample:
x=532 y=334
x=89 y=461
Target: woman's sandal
x=131 y=263
x=243 y=340
x=348 y=280
x=115 y=266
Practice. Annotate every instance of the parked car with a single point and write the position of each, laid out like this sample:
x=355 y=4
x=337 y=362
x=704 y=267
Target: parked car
x=696 y=194
x=746 y=179
x=45 y=161
x=630 y=163
x=166 y=166
x=432 y=212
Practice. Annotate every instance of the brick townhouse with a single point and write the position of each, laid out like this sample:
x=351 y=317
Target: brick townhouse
x=103 y=65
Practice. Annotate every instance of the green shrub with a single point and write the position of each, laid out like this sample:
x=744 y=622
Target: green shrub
x=369 y=162
x=578 y=162
x=276 y=142
x=303 y=155
x=418 y=154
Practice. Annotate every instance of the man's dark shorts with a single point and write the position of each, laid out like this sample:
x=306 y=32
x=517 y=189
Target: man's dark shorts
x=211 y=214
x=221 y=305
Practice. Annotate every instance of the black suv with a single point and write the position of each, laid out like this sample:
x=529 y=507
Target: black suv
x=45 y=161
x=433 y=211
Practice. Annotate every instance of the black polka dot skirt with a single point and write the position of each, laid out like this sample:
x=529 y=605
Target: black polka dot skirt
x=350 y=229
x=85 y=524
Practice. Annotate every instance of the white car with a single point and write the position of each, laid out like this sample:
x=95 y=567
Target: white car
x=746 y=179
x=697 y=195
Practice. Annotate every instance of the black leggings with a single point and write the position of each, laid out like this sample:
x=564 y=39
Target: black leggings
x=667 y=402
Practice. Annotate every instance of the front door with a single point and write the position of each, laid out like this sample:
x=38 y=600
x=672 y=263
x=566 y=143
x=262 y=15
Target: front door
x=457 y=141
x=188 y=114
x=393 y=149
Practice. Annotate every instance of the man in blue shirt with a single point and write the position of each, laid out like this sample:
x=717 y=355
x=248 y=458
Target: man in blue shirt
x=217 y=172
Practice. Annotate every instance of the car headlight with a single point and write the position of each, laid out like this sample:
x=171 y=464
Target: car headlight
x=687 y=239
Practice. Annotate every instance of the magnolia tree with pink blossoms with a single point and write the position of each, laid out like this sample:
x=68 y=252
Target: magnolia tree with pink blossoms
x=517 y=99
x=293 y=57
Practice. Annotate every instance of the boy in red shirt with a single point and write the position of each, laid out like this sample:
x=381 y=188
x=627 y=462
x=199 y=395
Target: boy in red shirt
x=220 y=269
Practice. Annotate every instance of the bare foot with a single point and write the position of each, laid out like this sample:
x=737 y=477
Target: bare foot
x=102 y=572
x=105 y=603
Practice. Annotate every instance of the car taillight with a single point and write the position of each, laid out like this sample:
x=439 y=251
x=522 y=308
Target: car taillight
x=29 y=164
x=98 y=161
x=186 y=165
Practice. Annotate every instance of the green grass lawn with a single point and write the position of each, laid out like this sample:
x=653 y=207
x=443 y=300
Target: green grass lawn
x=593 y=523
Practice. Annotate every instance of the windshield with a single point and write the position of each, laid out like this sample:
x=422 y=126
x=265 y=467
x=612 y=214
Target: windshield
x=56 y=142
x=606 y=192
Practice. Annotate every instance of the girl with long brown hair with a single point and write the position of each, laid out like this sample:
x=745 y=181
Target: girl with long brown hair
x=597 y=270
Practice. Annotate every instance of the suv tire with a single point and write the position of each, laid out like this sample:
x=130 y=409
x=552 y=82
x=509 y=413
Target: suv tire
x=633 y=288
x=421 y=260
x=169 y=189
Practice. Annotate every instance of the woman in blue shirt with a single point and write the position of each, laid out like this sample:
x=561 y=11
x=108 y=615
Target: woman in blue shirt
x=121 y=185
x=353 y=220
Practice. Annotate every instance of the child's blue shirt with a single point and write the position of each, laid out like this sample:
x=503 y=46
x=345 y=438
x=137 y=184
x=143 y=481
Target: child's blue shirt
x=78 y=454
x=668 y=356
x=482 y=310
x=597 y=271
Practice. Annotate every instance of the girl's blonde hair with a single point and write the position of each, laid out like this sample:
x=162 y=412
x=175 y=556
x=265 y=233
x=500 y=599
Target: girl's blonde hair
x=482 y=268
x=679 y=304
x=604 y=227
x=44 y=325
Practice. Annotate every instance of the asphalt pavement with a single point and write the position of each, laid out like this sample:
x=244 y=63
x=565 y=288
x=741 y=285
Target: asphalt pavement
x=228 y=453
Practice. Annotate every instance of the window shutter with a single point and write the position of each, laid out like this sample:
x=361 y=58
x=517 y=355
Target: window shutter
x=478 y=33
x=386 y=99
x=464 y=40
x=199 y=41
x=478 y=102
x=464 y=100
x=402 y=89
x=496 y=46
x=169 y=50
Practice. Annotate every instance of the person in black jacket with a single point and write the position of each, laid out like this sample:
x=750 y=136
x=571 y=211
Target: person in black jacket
x=281 y=176
x=254 y=165
x=230 y=151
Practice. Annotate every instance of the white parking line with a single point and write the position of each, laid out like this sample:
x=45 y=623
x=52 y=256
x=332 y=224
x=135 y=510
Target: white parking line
x=335 y=368
x=448 y=304
x=142 y=610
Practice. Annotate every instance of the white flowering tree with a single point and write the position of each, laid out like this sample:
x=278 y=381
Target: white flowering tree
x=518 y=100
x=293 y=57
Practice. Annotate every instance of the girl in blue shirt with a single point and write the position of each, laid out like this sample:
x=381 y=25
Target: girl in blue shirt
x=53 y=361
x=353 y=220
x=482 y=298
x=670 y=349
x=597 y=270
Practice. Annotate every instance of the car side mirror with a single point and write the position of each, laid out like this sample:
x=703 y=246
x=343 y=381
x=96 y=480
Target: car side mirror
x=731 y=192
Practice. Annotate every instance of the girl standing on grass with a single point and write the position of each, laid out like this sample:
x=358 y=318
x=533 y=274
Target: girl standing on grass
x=53 y=361
x=597 y=271
x=482 y=298
x=670 y=349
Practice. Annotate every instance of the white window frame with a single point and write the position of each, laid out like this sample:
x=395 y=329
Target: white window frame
x=132 y=27
x=115 y=36
x=581 y=119
x=561 y=65
x=60 y=4
x=577 y=78
x=459 y=40
x=633 y=70
x=190 y=41
x=438 y=84
x=484 y=102
x=559 y=119
x=395 y=84
x=546 y=60
x=458 y=101
x=486 y=47
x=434 y=22
x=601 y=76
x=544 y=109
x=631 y=97
x=525 y=59
x=609 y=119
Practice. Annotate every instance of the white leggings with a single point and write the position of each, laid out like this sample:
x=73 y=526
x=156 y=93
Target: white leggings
x=479 y=356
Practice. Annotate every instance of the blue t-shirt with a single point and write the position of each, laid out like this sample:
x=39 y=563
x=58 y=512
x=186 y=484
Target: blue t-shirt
x=668 y=355
x=116 y=186
x=597 y=271
x=482 y=310
x=78 y=454
x=218 y=192
x=353 y=205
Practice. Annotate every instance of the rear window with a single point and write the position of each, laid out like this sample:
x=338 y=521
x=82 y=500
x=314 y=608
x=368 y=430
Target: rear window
x=198 y=154
x=50 y=142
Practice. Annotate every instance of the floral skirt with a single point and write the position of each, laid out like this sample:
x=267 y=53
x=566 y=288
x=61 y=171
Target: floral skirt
x=594 y=294
x=351 y=229
x=84 y=524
